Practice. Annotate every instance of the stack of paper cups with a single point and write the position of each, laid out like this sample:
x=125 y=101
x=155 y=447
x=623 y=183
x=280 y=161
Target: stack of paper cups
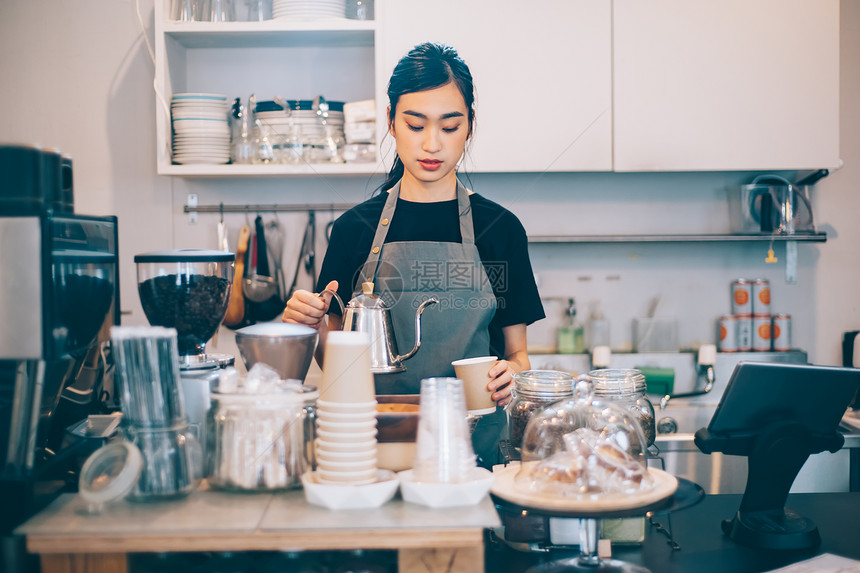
x=346 y=412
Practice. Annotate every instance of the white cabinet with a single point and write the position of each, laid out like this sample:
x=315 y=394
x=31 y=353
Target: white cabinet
x=726 y=84
x=542 y=73
x=573 y=85
x=292 y=59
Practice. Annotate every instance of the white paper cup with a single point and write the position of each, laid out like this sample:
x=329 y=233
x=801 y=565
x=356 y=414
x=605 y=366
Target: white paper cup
x=347 y=447
x=347 y=427
x=329 y=457
x=474 y=374
x=336 y=417
x=346 y=376
x=347 y=407
x=344 y=478
x=347 y=437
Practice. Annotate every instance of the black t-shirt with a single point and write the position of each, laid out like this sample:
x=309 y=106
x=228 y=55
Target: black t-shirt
x=499 y=236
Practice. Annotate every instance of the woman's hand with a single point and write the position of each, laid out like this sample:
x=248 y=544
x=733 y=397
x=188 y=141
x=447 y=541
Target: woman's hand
x=502 y=374
x=307 y=308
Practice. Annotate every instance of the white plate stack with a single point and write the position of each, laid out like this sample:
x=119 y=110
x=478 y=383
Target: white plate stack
x=201 y=131
x=308 y=9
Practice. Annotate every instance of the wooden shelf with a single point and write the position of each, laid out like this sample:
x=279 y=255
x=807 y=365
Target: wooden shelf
x=715 y=238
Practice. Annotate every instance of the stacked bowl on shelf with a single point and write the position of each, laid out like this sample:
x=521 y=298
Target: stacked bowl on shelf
x=201 y=132
x=308 y=9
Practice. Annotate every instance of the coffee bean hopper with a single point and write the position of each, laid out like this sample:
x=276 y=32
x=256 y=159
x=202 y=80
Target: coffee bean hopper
x=186 y=289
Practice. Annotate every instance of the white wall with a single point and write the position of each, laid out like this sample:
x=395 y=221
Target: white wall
x=77 y=76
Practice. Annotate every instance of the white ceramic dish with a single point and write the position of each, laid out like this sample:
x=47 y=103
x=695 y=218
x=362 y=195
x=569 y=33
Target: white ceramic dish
x=380 y=490
x=446 y=494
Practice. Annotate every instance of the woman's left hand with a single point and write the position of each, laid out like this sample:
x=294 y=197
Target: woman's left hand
x=502 y=374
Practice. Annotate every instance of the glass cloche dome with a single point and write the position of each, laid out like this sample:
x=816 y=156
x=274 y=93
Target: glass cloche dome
x=584 y=447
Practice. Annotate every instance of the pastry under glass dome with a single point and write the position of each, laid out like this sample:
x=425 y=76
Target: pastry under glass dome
x=584 y=447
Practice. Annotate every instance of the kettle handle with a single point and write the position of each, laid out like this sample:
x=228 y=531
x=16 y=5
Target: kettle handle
x=418 y=314
x=336 y=297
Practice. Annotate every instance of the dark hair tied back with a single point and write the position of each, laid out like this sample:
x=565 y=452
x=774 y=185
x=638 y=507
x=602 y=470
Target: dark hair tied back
x=427 y=66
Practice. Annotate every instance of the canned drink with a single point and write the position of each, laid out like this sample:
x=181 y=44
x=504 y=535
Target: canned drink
x=781 y=332
x=761 y=336
x=728 y=334
x=761 y=296
x=745 y=333
x=742 y=297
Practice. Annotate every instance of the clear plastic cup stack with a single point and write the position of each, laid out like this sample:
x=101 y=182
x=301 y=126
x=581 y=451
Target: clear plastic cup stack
x=444 y=446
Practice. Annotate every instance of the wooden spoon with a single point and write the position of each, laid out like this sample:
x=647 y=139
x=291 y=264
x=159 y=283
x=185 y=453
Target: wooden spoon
x=236 y=304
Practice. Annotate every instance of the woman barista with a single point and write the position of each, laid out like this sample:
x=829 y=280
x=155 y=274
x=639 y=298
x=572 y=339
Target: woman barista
x=427 y=236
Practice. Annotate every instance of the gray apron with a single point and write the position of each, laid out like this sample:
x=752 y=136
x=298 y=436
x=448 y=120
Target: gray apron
x=405 y=274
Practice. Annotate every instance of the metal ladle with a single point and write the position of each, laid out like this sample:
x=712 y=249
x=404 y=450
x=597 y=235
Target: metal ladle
x=260 y=287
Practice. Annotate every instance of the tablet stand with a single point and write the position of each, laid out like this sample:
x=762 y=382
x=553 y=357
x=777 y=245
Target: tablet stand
x=776 y=453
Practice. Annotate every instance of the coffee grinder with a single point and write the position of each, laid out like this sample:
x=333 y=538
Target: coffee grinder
x=59 y=295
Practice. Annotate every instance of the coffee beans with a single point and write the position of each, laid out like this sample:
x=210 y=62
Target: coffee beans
x=192 y=304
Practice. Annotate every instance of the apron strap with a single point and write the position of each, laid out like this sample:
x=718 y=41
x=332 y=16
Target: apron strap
x=464 y=208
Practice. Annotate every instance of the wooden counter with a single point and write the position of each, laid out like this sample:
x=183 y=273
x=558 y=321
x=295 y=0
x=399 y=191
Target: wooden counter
x=68 y=539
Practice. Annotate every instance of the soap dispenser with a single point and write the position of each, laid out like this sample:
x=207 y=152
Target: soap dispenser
x=571 y=337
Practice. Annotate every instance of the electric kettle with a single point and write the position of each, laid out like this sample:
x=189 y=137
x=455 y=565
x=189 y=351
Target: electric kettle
x=368 y=313
x=773 y=205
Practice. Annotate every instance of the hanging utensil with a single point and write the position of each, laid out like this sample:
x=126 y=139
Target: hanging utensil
x=310 y=253
x=260 y=286
x=222 y=232
x=306 y=256
x=275 y=244
x=236 y=304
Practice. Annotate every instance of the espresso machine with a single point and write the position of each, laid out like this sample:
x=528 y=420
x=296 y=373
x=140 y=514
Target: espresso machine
x=59 y=296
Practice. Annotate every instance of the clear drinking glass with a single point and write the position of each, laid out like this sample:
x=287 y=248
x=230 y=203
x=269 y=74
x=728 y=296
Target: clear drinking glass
x=264 y=150
x=291 y=147
x=221 y=11
x=182 y=10
x=259 y=10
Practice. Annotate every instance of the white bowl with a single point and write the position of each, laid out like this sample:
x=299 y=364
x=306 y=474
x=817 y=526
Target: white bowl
x=446 y=494
x=346 y=496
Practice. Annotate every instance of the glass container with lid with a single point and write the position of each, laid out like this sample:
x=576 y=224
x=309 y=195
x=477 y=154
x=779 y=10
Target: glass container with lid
x=626 y=387
x=534 y=389
x=261 y=441
x=186 y=289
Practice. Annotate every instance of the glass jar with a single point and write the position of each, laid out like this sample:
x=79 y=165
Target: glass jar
x=626 y=387
x=260 y=442
x=534 y=389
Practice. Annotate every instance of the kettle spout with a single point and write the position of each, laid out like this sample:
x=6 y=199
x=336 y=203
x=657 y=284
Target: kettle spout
x=418 y=314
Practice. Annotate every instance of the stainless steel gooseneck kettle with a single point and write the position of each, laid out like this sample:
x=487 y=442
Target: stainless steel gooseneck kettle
x=368 y=313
